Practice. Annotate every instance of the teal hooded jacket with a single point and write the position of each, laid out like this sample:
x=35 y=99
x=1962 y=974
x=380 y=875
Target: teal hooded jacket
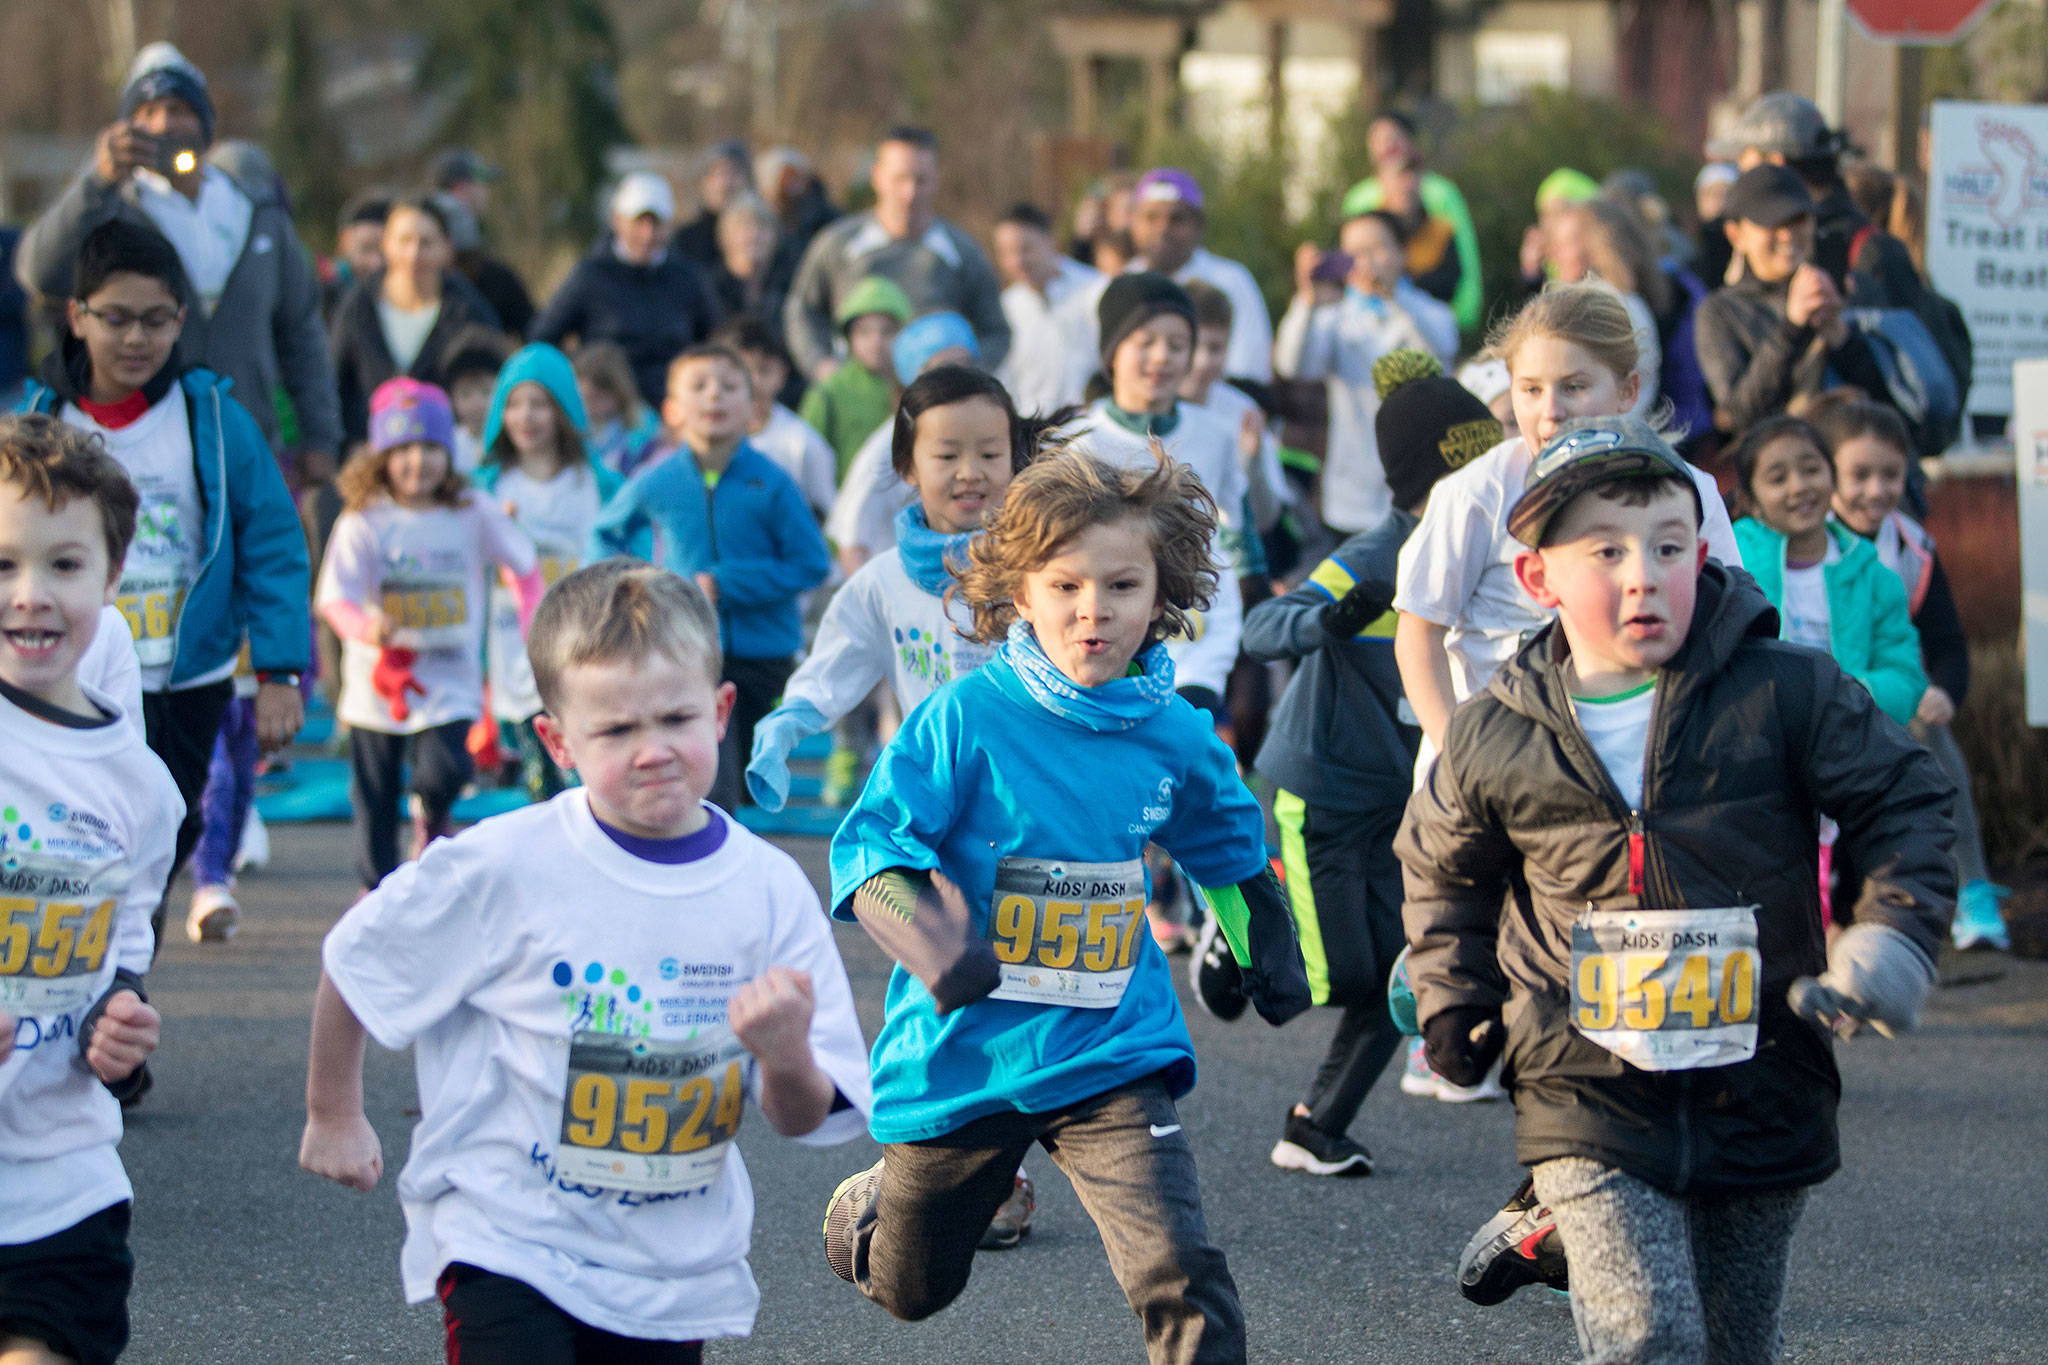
x=1870 y=629
x=540 y=363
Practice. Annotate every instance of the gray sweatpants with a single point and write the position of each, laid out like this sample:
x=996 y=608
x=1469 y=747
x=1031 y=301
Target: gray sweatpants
x=1131 y=1165
x=1663 y=1280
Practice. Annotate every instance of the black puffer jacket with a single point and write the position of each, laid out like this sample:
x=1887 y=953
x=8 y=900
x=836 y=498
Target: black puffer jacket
x=1749 y=739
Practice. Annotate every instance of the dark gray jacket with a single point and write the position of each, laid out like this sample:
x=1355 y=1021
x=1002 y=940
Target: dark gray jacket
x=1756 y=362
x=266 y=331
x=944 y=269
x=1338 y=738
x=1520 y=828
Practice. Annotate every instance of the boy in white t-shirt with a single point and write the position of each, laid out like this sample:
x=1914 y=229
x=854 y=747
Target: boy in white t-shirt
x=91 y=820
x=592 y=988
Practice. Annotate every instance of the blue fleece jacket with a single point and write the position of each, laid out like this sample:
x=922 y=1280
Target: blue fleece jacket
x=750 y=529
x=254 y=574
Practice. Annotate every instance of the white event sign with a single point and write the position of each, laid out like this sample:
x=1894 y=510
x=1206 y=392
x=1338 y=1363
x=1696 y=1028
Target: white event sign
x=2030 y=451
x=1987 y=235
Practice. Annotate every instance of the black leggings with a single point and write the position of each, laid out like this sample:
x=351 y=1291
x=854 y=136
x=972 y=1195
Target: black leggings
x=440 y=768
x=1345 y=887
x=758 y=685
x=493 y=1319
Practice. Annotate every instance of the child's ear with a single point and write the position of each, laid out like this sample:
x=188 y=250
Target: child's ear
x=727 y=695
x=74 y=315
x=1631 y=385
x=554 y=740
x=671 y=412
x=1534 y=577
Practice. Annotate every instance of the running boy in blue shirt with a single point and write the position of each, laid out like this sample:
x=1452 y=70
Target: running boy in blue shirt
x=1029 y=1006
x=719 y=511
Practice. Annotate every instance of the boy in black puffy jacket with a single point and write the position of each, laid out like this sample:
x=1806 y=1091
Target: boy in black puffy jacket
x=1610 y=877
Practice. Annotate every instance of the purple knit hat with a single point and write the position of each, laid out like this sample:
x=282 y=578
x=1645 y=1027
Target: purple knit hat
x=405 y=410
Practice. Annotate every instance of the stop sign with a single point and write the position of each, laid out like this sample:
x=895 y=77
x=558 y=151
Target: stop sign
x=1929 y=22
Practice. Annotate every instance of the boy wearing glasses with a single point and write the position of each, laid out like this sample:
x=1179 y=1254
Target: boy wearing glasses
x=218 y=554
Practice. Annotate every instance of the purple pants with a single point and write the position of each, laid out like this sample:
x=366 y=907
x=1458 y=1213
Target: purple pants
x=230 y=790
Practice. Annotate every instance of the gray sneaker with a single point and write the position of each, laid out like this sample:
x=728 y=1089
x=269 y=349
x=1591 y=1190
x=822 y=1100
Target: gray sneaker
x=843 y=1215
x=1012 y=1223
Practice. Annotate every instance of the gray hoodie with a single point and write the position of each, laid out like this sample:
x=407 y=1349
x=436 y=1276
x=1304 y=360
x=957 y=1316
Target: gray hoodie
x=266 y=329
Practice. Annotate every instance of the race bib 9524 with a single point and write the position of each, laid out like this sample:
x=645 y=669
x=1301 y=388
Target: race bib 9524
x=649 y=1115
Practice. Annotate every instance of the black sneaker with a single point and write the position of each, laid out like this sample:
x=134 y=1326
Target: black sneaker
x=1305 y=1147
x=1517 y=1246
x=1215 y=975
x=850 y=1204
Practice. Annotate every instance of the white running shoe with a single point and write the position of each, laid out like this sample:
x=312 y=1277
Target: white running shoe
x=255 y=849
x=1488 y=1089
x=1416 y=1077
x=214 y=916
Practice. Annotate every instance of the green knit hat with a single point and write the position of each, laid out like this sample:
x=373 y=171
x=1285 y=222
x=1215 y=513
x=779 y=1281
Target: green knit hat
x=875 y=294
x=1396 y=368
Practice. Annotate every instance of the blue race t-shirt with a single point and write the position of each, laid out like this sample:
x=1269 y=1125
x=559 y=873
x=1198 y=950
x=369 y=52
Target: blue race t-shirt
x=983 y=779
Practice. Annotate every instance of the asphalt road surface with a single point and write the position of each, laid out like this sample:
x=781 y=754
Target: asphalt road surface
x=1929 y=1246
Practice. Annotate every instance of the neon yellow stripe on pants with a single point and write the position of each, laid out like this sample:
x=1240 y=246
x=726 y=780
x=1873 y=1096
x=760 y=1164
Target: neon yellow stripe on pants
x=1290 y=811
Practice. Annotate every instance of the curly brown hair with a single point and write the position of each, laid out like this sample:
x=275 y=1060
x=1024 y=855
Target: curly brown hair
x=1064 y=492
x=366 y=477
x=53 y=462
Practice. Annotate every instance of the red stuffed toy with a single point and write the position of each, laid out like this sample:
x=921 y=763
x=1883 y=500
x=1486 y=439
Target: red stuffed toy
x=392 y=678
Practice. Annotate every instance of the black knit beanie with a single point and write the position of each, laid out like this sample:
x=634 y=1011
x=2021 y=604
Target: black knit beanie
x=1133 y=300
x=1428 y=427
x=162 y=72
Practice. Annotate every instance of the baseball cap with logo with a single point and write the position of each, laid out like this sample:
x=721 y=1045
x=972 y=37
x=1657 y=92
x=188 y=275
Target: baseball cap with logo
x=1587 y=452
x=1167 y=185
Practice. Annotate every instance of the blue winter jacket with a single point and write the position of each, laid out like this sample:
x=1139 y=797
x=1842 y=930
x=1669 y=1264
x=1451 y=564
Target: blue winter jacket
x=750 y=530
x=254 y=576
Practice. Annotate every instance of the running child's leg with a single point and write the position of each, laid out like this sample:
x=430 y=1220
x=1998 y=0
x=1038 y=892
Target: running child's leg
x=1131 y=1164
x=1354 y=903
x=492 y=1319
x=441 y=767
x=374 y=761
x=757 y=685
x=65 y=1297
x=1635 y=1297
x=914 y=1248
x=1741 y=1247
x=213 y=861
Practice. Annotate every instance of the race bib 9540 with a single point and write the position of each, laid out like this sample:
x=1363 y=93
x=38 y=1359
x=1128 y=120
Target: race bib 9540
x=1668 y=990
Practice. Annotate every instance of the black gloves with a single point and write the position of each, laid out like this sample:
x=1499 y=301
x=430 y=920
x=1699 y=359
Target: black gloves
x=1462 y=1042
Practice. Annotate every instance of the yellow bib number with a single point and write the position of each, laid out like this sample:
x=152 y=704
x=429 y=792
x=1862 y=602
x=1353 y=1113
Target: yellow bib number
x=1066 y=933
x=50 y=953
x=649 y=1115
x=426 y=608
x=1667 y=990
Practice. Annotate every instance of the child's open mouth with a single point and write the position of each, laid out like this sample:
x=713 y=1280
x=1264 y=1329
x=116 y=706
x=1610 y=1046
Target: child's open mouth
x=1644 y=627
x=34 y=643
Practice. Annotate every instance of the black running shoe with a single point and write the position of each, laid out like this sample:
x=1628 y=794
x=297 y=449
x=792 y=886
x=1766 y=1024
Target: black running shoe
x=1305 y=1147
x=1517 y=1246
x=850 y=1203
x=1215 y=975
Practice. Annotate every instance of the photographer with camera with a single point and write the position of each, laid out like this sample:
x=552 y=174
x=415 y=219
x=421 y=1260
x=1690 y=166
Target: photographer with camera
x=253 y=306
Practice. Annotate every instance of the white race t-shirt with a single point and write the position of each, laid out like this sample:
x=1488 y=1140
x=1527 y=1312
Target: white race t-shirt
x=170 y=531
x=1618 y=728
x=1229 y=405
x=803 y=454
x=557 y=516
x=108 y=667
x=1052 y=337
x=1198 y=440
x=1808 y=619
x=1458 y=568
x=90 y=817
x=493 y=950
x=208 y=233
x=428 y=570
x=881 y=625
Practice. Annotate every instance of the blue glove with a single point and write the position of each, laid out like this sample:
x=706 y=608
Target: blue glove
x=779 y=732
